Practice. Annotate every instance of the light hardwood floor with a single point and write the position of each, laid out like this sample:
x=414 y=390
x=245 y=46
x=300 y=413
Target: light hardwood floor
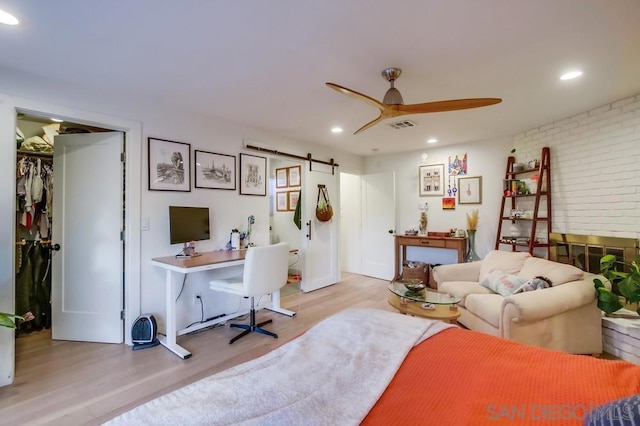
x=72 y=383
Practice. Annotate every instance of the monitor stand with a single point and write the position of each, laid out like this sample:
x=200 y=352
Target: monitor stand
x=187 y=252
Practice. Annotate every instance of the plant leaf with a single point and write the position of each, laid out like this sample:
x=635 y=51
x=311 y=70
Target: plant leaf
x=608 y=302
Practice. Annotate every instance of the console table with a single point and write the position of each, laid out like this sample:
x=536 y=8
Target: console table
x=450 y=243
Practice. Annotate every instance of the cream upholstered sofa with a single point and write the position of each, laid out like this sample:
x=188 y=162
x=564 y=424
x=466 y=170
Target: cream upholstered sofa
x=563 y=317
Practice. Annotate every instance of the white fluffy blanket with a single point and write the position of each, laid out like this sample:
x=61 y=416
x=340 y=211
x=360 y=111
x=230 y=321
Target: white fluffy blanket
x=333 y=374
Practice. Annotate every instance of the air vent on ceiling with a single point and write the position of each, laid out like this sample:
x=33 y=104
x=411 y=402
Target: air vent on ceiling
x=402 y=124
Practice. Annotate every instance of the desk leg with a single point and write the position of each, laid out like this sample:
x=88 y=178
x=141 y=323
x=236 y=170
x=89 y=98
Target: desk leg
x=275 y=305
x=169 y=341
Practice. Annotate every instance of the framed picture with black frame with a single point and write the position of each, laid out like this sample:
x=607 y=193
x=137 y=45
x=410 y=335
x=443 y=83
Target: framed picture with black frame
x=215 y=171
x=169 y=165
x=253 y=178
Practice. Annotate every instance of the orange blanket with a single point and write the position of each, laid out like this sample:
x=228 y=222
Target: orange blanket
x=461 y=377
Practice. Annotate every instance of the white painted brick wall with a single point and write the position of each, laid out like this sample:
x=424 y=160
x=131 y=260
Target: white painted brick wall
x=595 y=169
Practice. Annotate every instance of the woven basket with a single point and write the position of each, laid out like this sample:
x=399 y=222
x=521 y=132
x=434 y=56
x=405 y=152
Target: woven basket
x=417 y=273
x=324 y=214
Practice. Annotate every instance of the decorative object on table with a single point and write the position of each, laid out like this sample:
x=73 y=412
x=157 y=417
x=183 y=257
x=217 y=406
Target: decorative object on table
x=410 y=232
x=470 y=190
x=169 y=165
x=621 y=288
x=448 y=203
x=472 y=225
x=215 y=171
x=431 y=180
x=324 y=211
x=253 y=175
x=423 y=218
x=250 y=221
x=457 y=165
x=414 y=285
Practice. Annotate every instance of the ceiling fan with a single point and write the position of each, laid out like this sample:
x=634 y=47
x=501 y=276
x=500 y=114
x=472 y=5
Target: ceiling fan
x=392 y=104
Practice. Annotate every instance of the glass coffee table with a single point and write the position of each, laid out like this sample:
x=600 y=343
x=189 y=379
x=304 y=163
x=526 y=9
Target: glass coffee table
x=425 y=303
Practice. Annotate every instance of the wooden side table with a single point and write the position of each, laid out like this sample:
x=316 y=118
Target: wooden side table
x=450 y=243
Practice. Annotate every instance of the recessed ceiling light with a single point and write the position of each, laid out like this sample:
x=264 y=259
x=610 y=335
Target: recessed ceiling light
x=432 y=140
x=570 y=75
x=336 y=130
x=7 y=18
x=57 y=120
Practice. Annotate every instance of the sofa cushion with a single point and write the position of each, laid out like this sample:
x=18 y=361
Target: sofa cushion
x=508 y=261
x=462 y=289
x=502 y=283
x=486 y=306
x=558 y=273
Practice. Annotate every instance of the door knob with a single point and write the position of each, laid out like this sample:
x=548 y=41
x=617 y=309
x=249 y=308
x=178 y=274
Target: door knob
x=392 y=231
x=55 y=247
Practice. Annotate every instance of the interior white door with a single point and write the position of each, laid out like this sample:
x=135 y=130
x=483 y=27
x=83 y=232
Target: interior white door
x=321 y=266
x=87 y=271
x=378 y=225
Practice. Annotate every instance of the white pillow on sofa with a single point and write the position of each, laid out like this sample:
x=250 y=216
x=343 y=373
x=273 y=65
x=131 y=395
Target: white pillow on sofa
x=508 y=261
x=558 y=273
x=502 y=283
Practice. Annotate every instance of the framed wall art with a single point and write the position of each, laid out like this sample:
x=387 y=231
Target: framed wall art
x=215 y=171
x=281 y=201
x=169 y=165
x=281 y=178
x=253 y=175
x=292 y=201
x=470 y=190
x=431 y=180
x=294 y=176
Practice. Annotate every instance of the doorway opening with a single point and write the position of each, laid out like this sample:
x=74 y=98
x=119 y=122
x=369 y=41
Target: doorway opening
x=35 y=242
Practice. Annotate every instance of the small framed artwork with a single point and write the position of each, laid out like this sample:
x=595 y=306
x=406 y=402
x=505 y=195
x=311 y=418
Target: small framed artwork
x=253 y=175
x=293 y=199
x=448 y=203
x=281 y=178
x=215 y=171
x=431 y=180
x=294 y=176
x=281 y=201
x=470 y=190
x=169 y=165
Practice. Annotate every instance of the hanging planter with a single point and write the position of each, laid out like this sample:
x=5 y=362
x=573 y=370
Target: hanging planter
x=324 y=211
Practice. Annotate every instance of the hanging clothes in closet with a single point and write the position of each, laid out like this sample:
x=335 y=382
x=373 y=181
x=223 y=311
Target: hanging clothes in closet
x=34 y=177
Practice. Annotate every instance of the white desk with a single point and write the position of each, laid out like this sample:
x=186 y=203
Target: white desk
x=205 y=262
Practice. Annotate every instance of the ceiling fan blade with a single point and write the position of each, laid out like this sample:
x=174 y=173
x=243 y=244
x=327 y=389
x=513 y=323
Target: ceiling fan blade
x=357 y=95
x=369 y=124
x=441 y=106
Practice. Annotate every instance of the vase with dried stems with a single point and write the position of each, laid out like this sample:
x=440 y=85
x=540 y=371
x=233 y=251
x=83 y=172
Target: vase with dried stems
x=472 y=224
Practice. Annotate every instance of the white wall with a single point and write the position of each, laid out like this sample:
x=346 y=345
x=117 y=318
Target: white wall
x=595 y=169
x=228 y=208
x=350 y=223
x=486 y=159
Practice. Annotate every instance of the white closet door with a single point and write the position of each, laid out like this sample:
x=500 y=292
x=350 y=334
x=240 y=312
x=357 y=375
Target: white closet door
x=87 y=271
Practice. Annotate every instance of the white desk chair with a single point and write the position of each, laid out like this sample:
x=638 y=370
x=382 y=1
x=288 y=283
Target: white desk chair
x=265 y=271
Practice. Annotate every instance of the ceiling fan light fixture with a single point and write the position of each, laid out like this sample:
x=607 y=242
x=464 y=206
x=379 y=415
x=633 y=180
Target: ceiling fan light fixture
x=571 y=75
x=393 y=97
x=7 y=18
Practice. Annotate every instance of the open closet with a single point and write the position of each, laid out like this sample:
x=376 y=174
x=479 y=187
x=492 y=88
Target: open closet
x=34 y=217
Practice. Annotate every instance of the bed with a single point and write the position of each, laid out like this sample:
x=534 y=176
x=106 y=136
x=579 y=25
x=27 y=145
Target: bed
x=373 y=367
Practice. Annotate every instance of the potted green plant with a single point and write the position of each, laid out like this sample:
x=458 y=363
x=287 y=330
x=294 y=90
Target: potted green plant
x=622 y=286
x=8 y=320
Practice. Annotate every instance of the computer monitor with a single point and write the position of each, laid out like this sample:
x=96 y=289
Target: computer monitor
x=188 y=224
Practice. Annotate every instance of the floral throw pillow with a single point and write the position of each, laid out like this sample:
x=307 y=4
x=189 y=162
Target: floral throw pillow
x=502 y=283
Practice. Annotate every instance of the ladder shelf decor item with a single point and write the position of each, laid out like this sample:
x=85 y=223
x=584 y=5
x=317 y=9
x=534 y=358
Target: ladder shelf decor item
x=520 y=228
